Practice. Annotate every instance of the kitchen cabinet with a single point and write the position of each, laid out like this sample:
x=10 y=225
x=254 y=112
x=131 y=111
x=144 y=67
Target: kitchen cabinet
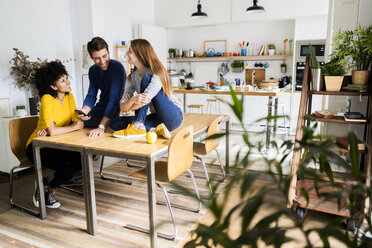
x=315 y=203
x=8 y=160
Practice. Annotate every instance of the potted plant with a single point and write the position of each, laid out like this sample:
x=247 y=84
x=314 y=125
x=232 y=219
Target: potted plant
x=271 y=49
x=333 y=73
x=283 y=67
x=237 y=66
x=172 y=52
x=316 y=76
x=355 y=49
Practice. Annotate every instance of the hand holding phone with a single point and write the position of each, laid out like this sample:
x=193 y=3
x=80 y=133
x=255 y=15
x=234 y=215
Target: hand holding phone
x=79 y=112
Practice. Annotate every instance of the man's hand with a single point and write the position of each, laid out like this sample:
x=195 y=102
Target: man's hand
x=42 y=132
x=96 y=132
x=82 y=116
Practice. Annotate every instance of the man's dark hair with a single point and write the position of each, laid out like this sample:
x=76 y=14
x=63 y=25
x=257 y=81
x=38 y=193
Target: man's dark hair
x=96 y=44
x=48 y=75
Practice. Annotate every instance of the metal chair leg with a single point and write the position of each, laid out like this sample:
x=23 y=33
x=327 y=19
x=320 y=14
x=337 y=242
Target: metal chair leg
x=206 y=172
x=11 y=201
x=111 y=178
x=222 y=169
x=195 y=210
x=162 y=235
x=132 y=165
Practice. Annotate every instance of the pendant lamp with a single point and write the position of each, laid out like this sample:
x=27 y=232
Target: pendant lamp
x=255 y=8
x=199 y=14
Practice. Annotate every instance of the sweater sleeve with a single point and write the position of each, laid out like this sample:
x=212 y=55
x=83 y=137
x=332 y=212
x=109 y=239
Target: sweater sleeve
x=91 y=97
x=118 y=78
x=154 y=87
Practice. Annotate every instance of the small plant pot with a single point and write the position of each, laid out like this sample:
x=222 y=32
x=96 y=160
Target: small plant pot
x=283 y=69
x=237 y=70
x=333 y=83
x=360 y=77
x=271 y=51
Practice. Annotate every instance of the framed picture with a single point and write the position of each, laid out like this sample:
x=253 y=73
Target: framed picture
x=215 y=46
x=5 y=107
x=120 y=53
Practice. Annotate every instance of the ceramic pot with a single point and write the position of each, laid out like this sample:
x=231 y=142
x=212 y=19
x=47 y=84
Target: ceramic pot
x=360 y=77
x=333 y=83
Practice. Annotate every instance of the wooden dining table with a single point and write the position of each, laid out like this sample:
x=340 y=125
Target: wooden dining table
x=107 y=145
x=273 y=96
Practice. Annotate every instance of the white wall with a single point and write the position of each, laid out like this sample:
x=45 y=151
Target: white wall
x=39 y=28
x=58 y=29
x=176 y=13
x=365 y=10
x=311 y=27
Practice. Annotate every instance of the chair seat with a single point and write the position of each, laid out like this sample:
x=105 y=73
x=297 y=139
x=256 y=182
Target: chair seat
x=161 y=175
x=195 y=106
x=211 y=100
x=199 y=149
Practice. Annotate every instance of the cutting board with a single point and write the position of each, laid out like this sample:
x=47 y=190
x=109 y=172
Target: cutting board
x=259 y=75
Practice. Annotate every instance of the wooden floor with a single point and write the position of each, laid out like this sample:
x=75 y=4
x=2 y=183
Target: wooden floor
x=117 y=205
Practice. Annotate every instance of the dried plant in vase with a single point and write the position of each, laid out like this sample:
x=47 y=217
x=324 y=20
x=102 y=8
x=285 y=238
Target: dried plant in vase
x=24 y=70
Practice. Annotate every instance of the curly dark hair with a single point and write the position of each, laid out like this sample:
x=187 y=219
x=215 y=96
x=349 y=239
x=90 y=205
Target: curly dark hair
x=96 y=44
x=48 y=75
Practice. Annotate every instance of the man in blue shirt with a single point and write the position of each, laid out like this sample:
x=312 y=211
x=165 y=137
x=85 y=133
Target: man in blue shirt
x=109 y=77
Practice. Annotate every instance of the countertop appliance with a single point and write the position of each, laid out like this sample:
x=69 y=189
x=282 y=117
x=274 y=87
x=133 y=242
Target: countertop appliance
x=303 y=50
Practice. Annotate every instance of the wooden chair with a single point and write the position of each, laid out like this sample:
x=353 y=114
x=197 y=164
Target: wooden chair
x=180 y=155
x=19 y=132
x=202 y=149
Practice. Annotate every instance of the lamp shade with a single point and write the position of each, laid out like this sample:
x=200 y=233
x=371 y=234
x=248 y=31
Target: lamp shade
x=87 y=61
x=255 y=8
x=199 y=14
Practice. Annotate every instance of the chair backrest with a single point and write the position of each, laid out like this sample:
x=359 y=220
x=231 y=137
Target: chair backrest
x=19 y=132
x=180 y=153
x=214 y=128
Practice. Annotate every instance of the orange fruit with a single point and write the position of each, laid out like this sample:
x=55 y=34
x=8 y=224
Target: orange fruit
x=151 y=137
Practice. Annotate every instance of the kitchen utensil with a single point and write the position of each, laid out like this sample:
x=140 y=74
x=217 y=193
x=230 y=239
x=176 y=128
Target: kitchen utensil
x=290 y=47
x=226 y=54
x=285 y=45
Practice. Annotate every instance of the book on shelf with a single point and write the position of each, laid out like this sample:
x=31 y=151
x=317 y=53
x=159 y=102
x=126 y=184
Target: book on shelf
x=356 y=87
x=343 y=142
x=355 y=116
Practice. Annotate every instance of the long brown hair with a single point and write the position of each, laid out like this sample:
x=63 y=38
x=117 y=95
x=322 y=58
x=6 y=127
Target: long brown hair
x=147 y=56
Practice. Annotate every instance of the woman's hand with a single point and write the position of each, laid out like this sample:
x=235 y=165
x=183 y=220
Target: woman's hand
x=141 y=99
x=42 y=132
x=78 y=125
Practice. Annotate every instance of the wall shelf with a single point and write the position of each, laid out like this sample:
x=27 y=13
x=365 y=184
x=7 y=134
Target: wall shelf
x=229 y=58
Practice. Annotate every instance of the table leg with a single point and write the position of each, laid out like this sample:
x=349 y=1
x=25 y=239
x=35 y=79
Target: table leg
x=151 y=194
x=275 y=114
x=227 y=148
x=268 y=122
x=39 y=180
x=184 y=102
x=89 y=193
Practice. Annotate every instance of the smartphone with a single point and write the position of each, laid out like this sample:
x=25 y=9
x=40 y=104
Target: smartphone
x=80 y=112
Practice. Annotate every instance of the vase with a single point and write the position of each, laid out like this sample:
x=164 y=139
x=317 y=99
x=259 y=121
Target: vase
x=33 y=102
x=316 y=80
x=360 y=77
x=271 y=51
x=283 y=69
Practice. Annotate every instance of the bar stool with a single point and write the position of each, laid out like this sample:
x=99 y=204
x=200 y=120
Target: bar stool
x=210 y=102
x=196 y=107
x=281 y=112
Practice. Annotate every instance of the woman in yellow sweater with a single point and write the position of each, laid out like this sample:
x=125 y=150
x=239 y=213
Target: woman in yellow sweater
x=57 y=116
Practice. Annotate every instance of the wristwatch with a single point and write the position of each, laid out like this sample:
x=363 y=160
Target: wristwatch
x=101 y=126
